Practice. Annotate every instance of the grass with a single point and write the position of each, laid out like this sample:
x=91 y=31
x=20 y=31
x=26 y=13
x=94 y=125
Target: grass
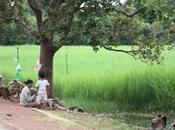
x=103 y=81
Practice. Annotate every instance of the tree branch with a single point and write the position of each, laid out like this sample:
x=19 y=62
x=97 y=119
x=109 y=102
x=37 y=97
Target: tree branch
x=71 y=17
x=33 y=4
x=131 y=15
x=27 y=28
x=120 y=50
x=134 y=53
x=10 y=14
x=20 y=20
x=143 y=53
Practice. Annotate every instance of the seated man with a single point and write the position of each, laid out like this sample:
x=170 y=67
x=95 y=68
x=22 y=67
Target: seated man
x=26 y=99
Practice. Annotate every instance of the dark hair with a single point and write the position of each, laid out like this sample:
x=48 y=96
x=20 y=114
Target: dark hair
x=42 y=74
x=29 y=81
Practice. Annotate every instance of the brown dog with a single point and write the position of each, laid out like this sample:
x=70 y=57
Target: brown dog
x=159 y=122
x=4 y=92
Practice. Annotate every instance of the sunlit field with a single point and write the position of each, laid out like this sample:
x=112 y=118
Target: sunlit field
x=102 y=81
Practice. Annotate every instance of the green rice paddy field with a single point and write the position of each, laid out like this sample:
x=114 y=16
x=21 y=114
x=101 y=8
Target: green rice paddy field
x=100 y=82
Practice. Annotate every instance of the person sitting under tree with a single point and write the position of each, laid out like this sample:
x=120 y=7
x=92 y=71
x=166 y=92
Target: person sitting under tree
x=26 y=99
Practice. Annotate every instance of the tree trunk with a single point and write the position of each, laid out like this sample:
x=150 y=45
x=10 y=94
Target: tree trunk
x=47 y=52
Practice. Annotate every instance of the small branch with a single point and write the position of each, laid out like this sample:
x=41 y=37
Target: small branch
x=131 y=15
x=69 y=24
x=119 y=50
x=133 y=53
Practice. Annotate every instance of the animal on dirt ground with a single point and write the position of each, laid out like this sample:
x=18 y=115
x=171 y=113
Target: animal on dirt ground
x=172 y=127
x=76 y=109
x=159 y=122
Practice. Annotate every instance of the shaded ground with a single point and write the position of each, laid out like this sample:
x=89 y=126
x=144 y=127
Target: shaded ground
x=15 y=117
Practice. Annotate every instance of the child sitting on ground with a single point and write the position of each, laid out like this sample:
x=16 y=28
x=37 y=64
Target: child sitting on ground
x=42 y=85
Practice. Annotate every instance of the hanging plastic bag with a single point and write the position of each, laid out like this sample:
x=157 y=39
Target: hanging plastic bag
x=18 y=70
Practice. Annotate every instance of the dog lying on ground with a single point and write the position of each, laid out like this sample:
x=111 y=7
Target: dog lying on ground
x=76 y=109
x=159 y=122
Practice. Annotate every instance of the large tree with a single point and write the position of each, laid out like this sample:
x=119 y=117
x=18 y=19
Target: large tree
x=99 y=23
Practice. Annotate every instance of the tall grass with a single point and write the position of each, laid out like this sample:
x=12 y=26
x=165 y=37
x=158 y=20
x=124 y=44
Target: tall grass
x=104 y=80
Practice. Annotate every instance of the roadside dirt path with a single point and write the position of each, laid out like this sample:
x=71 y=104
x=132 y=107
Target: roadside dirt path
x=15 y=117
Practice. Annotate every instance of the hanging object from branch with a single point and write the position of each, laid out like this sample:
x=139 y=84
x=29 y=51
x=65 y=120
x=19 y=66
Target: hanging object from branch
x=18 y=67
x=18 y=70
x=37 y=66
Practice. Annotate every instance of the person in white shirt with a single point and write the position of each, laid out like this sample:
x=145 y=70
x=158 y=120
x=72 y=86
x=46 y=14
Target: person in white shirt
x=26 y=99
x=42 y=86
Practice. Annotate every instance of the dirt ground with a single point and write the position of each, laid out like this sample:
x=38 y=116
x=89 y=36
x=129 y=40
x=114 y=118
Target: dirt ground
x=15 y=117
x=2 y=128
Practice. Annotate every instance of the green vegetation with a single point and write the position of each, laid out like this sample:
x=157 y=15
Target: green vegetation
x=149 y=25
x=103 y=81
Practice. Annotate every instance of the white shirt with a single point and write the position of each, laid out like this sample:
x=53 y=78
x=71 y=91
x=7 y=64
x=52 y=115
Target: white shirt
x=42 y=86
x=25 y=96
